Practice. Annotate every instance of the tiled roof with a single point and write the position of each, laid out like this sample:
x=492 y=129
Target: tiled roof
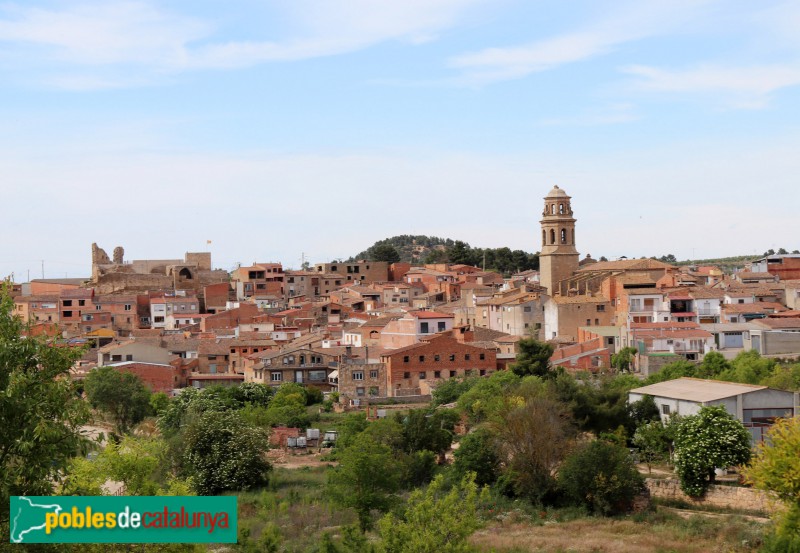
x=626 y=265
x=430 y=315
x=779 y=324
x=579 y=299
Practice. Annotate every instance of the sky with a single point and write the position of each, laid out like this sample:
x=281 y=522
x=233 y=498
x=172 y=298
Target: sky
x=283 y=130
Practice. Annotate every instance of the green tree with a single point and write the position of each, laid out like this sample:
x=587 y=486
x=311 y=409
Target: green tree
x=426 y=431
x=40 y=413
x=601 y=476
x=533 y=436
x=448 y=391
x=366 y=479
x=776 y=468
x=644 y=411
x=485 y=397
x=460 y=253
x=120 y=394
x=623 y=359
x=223 y=453
x=706 y=441
x=435 y=520
x=652 y=440
x=533 y=358
x=159 y=402
x=385 y=252
x=477 y=453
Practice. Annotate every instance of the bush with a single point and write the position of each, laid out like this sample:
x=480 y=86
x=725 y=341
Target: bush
x=476 y=453
x=601 y=476
x=711 y=439
x=313 y=395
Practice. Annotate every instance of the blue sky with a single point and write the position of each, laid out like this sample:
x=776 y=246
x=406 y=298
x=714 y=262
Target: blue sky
x=320 y=126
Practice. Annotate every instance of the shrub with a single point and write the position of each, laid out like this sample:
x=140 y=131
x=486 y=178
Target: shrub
x=601 y=476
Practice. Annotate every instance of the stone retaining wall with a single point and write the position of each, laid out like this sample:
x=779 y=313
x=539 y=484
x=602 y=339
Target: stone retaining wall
x=724 y=497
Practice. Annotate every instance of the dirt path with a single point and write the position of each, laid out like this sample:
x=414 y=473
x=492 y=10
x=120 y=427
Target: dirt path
x=286 y=459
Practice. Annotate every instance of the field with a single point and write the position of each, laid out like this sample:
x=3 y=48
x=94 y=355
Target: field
x=663 y=531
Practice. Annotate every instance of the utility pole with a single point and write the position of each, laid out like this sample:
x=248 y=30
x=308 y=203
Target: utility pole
x=42 y=268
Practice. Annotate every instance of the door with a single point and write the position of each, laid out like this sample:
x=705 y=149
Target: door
x=756 y=341
x=298 y=377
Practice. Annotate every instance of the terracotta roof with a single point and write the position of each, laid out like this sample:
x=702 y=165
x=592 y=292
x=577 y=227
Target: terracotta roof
x=688 y=333
x=779 y=324
x=580 y=299
x=664 y=325
x=756 y=307
x=626 y=265
x=430 y=315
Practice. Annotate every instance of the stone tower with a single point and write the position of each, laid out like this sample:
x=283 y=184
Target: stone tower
x=558 y=258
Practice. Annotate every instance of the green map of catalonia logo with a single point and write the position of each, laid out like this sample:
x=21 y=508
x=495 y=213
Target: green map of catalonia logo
x=29 y=517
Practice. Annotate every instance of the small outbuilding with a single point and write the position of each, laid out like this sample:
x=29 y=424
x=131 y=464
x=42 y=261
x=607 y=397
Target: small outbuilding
x=756 y=407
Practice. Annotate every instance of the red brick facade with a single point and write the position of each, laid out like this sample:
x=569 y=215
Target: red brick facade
x=416 y=369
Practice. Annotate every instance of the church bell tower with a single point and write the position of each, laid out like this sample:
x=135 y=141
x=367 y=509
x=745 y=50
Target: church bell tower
x=558 y=259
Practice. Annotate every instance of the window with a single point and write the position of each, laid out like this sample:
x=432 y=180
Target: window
x=664 y=409
x=588 y=322
x=359 y=391
x=421 y=358
x=405 y=359
x=406 y=375
x=440 y=326
x=483 y=372
x=81 y=303
x=423 y=328
x=129 y=357
x=452 y=357
x=437 y=374
x=482 y=356
x=466 y=357
x=116 y=358
x=597 y=322
x=127 y=307
x=527 y=309
x=98 y=307
x=422 y=375
x=452 y=374
x=601 y=308
x=373 y=374
x=436 y=357
x=563 y=236
x=67 y=303
x=358 y=375
x=233 y=350
x=276 y=376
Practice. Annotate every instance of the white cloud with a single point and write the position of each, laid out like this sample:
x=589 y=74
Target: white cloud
x=101 y=33
x=741 y=87
x=135 y=33
x=632 y=22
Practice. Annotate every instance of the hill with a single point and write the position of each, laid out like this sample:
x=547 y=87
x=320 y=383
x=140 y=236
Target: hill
x=433 y=249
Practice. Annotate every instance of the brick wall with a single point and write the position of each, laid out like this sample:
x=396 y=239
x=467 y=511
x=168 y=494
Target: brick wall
x=422 y=359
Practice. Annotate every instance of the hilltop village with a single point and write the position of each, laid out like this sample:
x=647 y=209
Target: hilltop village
x=373 y=330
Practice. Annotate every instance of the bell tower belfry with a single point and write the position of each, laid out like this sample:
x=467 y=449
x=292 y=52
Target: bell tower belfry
x=558 y=259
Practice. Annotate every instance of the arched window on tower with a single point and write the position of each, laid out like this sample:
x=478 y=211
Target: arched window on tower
x=563 y=236
x=561 y=209
x=553 y=209
x=552 y=236
x=544 y=237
